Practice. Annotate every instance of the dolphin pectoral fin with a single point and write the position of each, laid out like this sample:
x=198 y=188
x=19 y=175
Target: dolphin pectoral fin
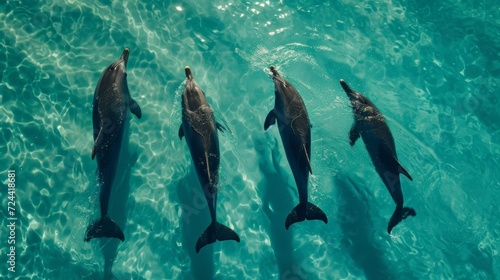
x=400 y=214
x=403 y=171
x=97 y=141
x=214 y=232
x=93 y=152
x=353 y=135
x=303 y=212
x=134 y=108
x=181 y=132
x=270 y=120
x=222 y=127
x=133 y=159
x=308 y=160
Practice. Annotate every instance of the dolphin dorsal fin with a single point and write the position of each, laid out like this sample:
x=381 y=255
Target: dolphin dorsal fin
x=207 y=163
x=403 y=171
x=97 y=140
x=307 y=157
x=388 y=159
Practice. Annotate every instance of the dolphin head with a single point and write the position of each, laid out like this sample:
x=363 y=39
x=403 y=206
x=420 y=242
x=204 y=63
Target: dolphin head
x=119 y=67
x=277 y=77
x=352 y=94
x=191 y=84
x=274 y=71
x=117 y=71
x=192 y=93
x=357 y=99
x=361 y=105
x=280 y=84
x=191 y=88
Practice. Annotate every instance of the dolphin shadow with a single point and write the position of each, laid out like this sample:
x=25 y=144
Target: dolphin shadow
x=276 y=203
x=357 y=227
x=193 y=221
x=118 y=202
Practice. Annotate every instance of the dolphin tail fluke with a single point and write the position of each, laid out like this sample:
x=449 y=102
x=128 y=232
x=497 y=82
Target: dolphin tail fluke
x=400 y=214
x=215 y=232
x=104 y=228
x=303 y=212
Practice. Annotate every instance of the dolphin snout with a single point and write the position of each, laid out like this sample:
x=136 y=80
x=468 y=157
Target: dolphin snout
x=274 y=71
x=345 y=86
x=350 y=93
x=125 y=54
x=189 y=75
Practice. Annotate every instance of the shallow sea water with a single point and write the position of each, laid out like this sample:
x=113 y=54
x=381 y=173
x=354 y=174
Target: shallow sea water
x=431 y=67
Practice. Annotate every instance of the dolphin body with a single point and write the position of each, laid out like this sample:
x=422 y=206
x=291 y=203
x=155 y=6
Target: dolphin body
x=111 y=106
x=295 y=130
x=200 y=130
x=370 y=124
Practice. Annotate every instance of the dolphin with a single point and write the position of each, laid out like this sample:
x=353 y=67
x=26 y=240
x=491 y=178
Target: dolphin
x=295 y=130
x=200 y=130
x=111 y=106
x=370 y=124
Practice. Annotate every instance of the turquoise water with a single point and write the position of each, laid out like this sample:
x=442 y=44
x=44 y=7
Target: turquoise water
x=431 y=67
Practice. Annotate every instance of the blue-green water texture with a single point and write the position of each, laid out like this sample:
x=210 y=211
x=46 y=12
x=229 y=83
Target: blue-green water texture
x=431 y=67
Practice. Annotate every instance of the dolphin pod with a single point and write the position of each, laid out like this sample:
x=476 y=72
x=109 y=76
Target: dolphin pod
x=112 y=105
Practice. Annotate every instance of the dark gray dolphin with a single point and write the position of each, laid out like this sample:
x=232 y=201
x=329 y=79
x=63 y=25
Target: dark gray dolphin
x=370 y=124
x=200 y=129
x=112 y=103
x=295 y=130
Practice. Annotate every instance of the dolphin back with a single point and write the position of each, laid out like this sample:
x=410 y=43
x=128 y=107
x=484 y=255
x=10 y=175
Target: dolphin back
x=215 y=231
